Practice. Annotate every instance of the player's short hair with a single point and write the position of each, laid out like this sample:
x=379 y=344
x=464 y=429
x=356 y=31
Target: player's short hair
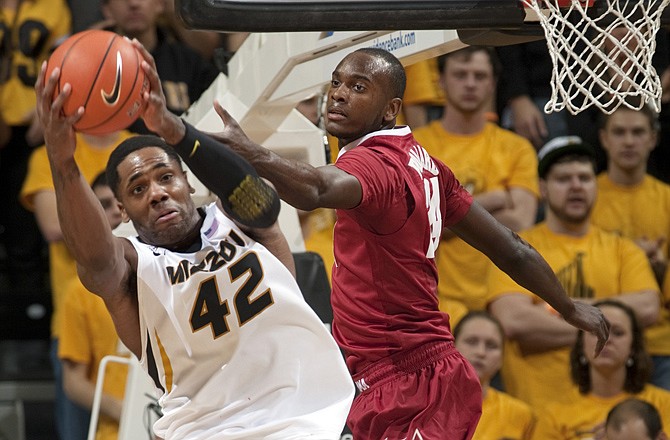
x=396 y=71
x=129 y=146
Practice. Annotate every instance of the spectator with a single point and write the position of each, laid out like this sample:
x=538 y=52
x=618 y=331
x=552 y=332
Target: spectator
x=479 y=337
x=87 y=335
x=85 y=13
x=38 y=195
x=636 y=205
x=591 y=264
x=423 y=100
x=184 y=74
x=30 y=31
x=203 y=42
x=523 y=90
x=620 y=371
x=634 y=419
x=496 y=166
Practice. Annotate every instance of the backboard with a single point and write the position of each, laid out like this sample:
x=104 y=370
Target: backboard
x=348 y=15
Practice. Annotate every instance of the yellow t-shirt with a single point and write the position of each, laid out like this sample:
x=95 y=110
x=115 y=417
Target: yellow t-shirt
x=39 y=26
x=503 y=416
x=87 y=335
x=92 y=161
x=490 y=160
x=577 y=420
x=598 y=265
x=423 y=84
x=634 y=212
x=319 y=239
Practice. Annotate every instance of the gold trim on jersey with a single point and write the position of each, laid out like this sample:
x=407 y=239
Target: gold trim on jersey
x=167 y=365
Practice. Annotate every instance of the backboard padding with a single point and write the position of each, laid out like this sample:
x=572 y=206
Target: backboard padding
x=347 y=15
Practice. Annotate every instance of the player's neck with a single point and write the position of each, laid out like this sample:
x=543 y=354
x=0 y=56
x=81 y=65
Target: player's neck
x=192 y=241
x=624 y=177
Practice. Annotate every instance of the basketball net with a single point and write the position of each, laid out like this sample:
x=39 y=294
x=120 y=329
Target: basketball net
x=602 y=60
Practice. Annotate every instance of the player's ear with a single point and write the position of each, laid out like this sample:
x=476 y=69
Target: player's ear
x=124 y=214
x=190 y=187
x=392 y=109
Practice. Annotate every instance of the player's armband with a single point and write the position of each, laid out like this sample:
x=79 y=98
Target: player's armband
x=245 y=197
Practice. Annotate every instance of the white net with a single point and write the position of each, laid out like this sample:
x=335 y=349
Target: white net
x=601 y=59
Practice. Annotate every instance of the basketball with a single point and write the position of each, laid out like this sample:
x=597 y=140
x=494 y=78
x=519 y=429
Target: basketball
x=104 y=71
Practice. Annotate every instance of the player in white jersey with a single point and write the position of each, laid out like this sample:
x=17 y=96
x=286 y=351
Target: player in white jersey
x=215 y=317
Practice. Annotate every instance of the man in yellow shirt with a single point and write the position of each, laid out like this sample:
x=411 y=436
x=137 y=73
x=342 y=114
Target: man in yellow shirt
x=498 y=167
x=590 y=263
x=636 y=205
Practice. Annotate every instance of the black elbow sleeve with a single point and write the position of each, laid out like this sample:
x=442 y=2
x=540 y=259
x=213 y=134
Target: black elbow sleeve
x=245 y=197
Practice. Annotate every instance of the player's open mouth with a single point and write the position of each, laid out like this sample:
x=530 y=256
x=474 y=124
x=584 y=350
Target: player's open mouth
x=167 y=216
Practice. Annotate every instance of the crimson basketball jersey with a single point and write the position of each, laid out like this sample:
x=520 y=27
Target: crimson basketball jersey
x=233 y=347
x=385 y=279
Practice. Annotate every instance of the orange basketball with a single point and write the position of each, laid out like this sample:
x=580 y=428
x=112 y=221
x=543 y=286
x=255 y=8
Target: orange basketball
x=104 y=71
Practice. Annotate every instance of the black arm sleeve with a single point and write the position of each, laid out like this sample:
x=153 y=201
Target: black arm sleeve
x=245 y=197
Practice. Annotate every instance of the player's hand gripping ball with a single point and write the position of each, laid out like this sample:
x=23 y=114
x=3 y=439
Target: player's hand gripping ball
x=104 y=70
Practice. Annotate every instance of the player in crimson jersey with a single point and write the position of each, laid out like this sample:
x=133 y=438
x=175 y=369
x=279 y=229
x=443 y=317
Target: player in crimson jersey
x=392 y=201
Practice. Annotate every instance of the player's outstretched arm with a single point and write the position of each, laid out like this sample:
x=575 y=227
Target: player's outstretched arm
x=299 y=184
x=525 y=265
x=244 y=196
x=101 y=257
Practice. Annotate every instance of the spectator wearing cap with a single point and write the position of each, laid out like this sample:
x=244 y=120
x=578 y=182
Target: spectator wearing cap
x=591 y=264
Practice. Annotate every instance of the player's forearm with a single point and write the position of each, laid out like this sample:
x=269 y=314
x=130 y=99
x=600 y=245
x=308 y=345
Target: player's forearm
x=243 y=194
x=82 y=219
x=298 y=183
x=528 y=269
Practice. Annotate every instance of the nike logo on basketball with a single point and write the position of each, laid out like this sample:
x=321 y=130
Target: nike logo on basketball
x=113 y=97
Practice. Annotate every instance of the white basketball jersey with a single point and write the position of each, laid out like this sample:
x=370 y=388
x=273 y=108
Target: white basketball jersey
x=233 y=347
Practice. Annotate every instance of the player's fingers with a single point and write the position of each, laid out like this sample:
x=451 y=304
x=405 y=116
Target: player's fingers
x=144 y=52
x=223 y=114
x=48 y=87
x=603 y=335
x=74 y=118
x=39 y=84
x=57 y=104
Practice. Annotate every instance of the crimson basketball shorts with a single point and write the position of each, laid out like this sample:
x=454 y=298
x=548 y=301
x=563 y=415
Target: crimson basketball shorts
x=428 y=393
